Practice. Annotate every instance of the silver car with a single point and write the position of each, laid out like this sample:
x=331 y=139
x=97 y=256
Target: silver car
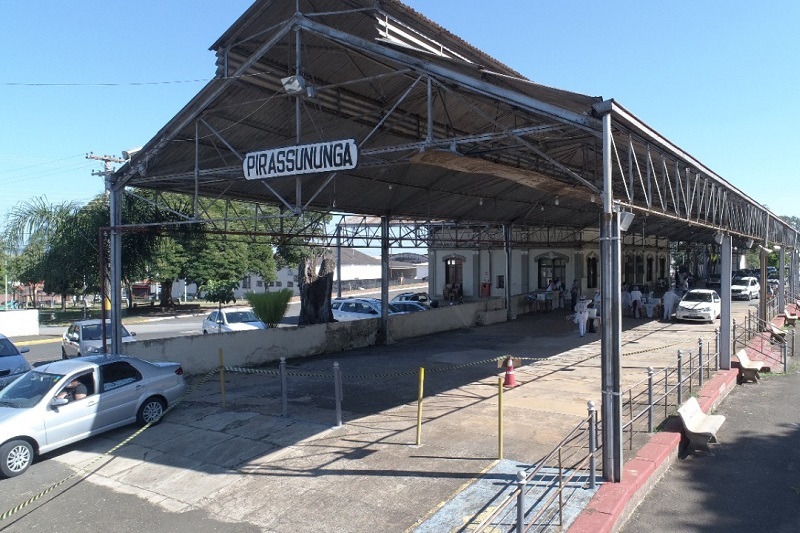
x=348 y=309
x=12 y=364
x=60 y=403
x=230 y=319
x=85 y=337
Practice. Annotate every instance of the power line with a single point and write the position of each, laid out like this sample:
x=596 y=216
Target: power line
x=125 y=84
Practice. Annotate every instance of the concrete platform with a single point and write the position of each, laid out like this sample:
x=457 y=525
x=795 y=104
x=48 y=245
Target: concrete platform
x=246 y=464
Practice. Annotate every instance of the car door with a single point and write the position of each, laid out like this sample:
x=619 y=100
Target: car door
x=121 y=386
x=75 y=420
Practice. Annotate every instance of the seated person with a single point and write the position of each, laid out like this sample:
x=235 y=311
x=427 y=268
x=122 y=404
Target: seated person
x=74 y=391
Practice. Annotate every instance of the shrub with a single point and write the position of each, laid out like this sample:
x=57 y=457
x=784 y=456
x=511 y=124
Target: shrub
x=270 y=307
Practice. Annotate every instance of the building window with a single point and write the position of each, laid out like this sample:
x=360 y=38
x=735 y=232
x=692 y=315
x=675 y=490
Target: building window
x=290 y=284
x=278 y=284
x=271 y=284
x=259 y=283
x=245 y=282
x=550 y=269
x=296 y=279
x=501 y=282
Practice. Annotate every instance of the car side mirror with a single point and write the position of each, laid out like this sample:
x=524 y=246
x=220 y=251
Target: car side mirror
x=59 y=401
x=24 y=349
x=133 y=333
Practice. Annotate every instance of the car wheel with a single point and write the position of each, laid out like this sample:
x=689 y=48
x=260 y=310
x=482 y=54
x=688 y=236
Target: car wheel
x=205 y=332
x=15 y=457
x=151 y=411
x=64 y=353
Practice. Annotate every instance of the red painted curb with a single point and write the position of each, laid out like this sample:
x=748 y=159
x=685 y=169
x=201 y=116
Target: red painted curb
x=613 y=503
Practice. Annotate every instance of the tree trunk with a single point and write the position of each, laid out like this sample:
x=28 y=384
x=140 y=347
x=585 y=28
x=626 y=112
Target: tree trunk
x=315 y=292
x=166 y=293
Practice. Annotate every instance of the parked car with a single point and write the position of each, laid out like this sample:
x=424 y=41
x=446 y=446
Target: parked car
x=357 y=308
x=230 y=319
x=12 y=364
x=38 y=416
x=745 y=288
x=409 y=307
x=699 y=304
x=421 y=297
x=84 y=337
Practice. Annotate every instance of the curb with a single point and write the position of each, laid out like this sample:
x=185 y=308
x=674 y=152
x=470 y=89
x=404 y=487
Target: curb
x=614 y=503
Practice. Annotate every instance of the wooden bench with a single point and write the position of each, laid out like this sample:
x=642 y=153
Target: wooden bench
x=699 y=427
x=748 y=370
x=789 y=318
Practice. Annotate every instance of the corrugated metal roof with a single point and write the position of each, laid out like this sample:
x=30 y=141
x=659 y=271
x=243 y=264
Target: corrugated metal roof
x=492 y=147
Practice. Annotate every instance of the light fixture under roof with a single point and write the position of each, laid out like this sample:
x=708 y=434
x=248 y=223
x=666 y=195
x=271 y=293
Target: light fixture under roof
x=294 y=84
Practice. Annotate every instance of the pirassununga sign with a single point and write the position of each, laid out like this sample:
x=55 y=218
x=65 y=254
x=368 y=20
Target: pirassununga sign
x=304 y=159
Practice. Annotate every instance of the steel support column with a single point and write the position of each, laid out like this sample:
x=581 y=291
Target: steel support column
x=610 y=259
x=383 y=332
x=725 y=323
x=781 y=279
x=507 y=237
x=115 y=204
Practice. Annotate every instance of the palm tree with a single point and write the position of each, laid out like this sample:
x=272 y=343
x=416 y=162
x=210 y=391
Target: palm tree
x=37 y=215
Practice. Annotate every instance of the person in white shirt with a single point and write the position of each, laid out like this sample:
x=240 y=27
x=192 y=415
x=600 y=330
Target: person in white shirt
x=582 y=315
x=669 y=300
x=636 y=301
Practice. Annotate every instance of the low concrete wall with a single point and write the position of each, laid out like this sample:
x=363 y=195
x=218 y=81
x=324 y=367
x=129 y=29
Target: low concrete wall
x=19 y=322
x=199 y=354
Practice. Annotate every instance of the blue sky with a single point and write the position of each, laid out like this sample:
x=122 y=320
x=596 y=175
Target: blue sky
x=719 y=79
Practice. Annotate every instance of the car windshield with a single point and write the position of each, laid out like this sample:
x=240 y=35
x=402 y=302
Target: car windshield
x=241 y=316
x=92 y=332
x=28 y=389
x=697 y=297
x=7 y=349
x=739 y=281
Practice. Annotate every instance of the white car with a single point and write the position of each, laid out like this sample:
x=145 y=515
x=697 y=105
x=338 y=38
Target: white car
x=745 y=288
x=230 y=319
x=102 y=392
x=699 y=304
x=409 y=306
x=84 y=337
x=358 y=308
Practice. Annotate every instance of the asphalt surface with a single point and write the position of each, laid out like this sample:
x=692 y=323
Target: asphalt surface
x=243 y=466
x=751 y=479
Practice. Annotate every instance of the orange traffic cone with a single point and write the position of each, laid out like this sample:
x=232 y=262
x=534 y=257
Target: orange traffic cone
x=511 y=380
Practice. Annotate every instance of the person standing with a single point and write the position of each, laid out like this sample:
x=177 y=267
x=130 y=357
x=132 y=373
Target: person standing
x=582 y=315
x=669 y=300
x=573 y=293
x=636 y=302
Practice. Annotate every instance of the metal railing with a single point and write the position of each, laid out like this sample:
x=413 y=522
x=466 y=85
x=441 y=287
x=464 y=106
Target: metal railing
x=648 y=403
x=541 y=494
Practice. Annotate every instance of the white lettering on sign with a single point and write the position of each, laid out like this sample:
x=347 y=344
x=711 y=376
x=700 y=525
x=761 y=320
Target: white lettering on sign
x=303 y=159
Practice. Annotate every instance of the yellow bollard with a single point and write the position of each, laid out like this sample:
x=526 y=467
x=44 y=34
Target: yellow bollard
x=222 y=377
x=499 y=418
x=419 y=405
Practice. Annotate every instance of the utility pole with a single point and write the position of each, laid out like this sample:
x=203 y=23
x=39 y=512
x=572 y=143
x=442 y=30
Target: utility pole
x=107 y=160
x=110 y=298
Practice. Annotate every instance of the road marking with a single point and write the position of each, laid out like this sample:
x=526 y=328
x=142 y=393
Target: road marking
x=38 y=341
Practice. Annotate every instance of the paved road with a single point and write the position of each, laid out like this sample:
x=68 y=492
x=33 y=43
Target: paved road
x=751 y=482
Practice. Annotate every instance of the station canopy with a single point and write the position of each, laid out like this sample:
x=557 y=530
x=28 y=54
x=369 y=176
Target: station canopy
x=417 y=124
